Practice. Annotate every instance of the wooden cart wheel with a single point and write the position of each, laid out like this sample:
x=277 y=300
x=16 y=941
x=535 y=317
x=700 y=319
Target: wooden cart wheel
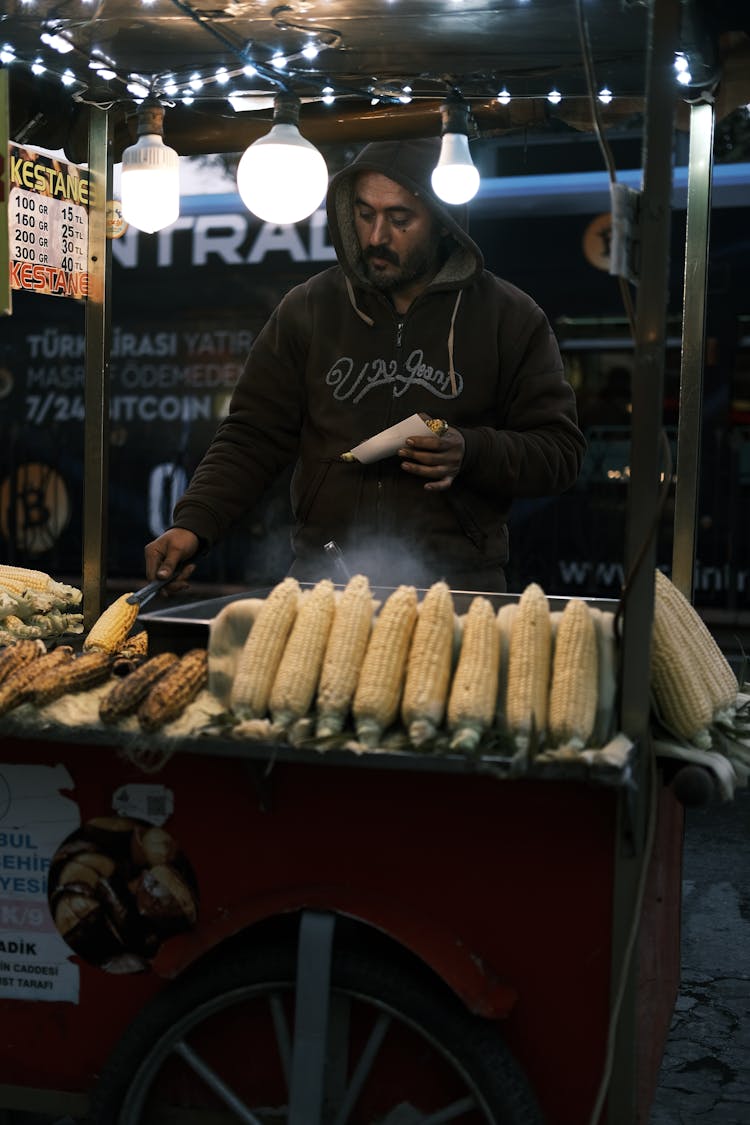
x=218 y=1048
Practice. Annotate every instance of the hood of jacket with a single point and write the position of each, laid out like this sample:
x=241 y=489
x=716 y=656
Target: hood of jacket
x=409 y=163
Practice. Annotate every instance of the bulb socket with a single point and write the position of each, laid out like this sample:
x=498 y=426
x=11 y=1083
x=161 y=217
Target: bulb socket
x=286 y=108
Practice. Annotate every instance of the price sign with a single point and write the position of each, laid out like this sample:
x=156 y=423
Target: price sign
x=5 y=295
x=48 y=224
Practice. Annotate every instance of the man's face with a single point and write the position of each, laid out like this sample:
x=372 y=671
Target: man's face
x=398 y=236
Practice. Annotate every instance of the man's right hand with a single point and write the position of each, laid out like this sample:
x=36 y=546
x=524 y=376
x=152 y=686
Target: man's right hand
x=167 y=553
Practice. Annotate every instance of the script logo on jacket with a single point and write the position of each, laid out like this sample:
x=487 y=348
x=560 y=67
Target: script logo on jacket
x=349 y=383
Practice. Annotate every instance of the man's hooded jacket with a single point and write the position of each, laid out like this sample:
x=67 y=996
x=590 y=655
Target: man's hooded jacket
x=336 y=364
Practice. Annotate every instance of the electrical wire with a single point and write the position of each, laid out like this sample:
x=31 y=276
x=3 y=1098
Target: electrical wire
x=588 y=66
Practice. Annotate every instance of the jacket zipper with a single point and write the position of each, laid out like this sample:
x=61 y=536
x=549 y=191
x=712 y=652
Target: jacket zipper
x=379 y=500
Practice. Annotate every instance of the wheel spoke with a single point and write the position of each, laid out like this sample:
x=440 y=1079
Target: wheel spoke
x=212 y=1080
x=281 y=1029
x=451 y=1112
x=363 y=1067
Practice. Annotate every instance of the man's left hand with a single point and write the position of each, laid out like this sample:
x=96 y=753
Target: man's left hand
x=436 y=459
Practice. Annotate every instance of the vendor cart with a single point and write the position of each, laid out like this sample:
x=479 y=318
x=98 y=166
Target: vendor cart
x=368 y=936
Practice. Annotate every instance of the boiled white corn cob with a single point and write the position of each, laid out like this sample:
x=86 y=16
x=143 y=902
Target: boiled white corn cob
x=428 y=670
x=606 y=655
x=263 y=649
x=112 y=626
x=709 y=661
x=529 y=667
x=18 y=579
x=299 y=669
x=573 y=691
x=691 y=682
x=505 y=616
x=345 y=651
x=473 y=694
x=381 y=679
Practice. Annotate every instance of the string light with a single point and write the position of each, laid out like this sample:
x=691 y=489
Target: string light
x=605 y=95
x=503 y=97
x=150 y=181
x=281 y=177
x=554 y=96
x=454 y=178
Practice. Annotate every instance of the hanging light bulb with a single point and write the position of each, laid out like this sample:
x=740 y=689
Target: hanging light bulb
x=455 y=179
x=281 y=177
x=150 y=184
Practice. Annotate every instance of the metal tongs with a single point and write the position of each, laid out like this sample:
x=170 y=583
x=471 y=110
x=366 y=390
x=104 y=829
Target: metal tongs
x=146 y=593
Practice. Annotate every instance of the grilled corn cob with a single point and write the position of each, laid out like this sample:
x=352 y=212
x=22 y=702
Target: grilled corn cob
x=261 y=654
x=80 y=674
x=128 y=693
x=691 y=682
x=381 y=679
x=529 y=666
x=19 y=685
x=172 y=692
x=428 y=670
x=111 y=628
x=299 y=669
x=473 y=695
x=573 y=690
x=344 y=654
x=15 y=655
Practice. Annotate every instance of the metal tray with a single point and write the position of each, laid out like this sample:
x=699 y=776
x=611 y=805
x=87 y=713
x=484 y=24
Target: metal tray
x=182 y=627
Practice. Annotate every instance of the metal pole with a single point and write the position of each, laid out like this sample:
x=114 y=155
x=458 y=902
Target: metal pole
x=640 y=544
x=96 y=385
x=700 y=164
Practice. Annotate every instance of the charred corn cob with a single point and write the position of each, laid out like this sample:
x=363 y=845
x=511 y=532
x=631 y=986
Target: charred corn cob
x=111 y=628
x=19 y=685
x=299 y=669
x=529 y=666
x=473 y=694
x=134 y=646
x=709 y=662
x=261 y=654
x=80 y=674
x=381 y=679
x=344 y=654
x=691 y=681
x=573 y=690
x=128 y=693
x=15 y=655
x=428 y=670
x=173 y=691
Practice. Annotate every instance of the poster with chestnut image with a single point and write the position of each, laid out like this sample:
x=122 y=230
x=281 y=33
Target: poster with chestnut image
x=118 y=888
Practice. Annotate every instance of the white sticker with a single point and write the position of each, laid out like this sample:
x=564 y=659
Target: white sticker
x=154 y=803
x=34 y=819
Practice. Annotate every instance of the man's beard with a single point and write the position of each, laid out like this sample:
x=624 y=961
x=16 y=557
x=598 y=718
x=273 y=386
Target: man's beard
x=420 y=262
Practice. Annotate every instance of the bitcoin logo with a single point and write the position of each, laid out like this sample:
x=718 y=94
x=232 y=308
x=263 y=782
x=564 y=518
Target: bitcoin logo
x=34 y=507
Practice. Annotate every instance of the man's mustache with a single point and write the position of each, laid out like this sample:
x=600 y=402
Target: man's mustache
x=381 y=252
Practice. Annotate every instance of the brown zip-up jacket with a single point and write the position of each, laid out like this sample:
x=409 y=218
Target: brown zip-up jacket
x=336 y=364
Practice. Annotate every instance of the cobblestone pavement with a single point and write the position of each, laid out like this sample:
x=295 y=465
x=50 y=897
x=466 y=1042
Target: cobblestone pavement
x=705 y=1074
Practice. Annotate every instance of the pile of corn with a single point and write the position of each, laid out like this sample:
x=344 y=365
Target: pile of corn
x=317 y=664
x=34 y=606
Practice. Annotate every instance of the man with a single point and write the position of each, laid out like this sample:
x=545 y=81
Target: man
x=408 y=322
